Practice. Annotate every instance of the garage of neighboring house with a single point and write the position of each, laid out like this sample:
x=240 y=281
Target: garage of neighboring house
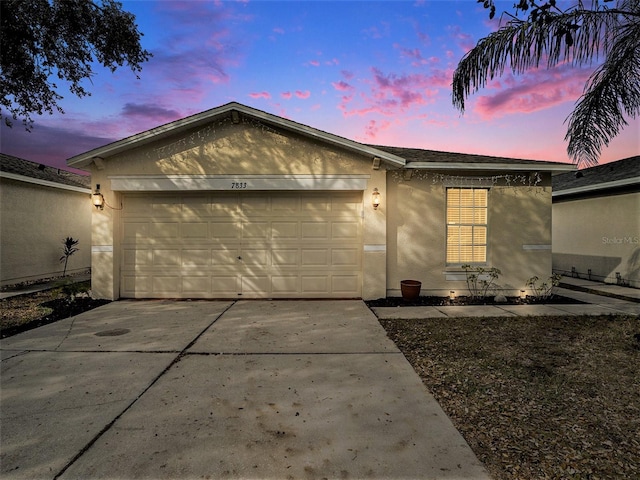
x=253 y=244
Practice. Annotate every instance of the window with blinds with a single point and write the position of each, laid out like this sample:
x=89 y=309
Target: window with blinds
x=467 y=225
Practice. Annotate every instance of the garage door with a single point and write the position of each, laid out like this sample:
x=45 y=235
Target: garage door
x=249 y=245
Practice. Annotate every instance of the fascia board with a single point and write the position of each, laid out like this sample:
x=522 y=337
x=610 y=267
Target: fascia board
x=44 y=183
x=599 y=186
x=512 y=167
x=84 y=159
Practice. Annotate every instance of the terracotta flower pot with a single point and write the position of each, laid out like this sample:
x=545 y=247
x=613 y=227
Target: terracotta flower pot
x=410 y=289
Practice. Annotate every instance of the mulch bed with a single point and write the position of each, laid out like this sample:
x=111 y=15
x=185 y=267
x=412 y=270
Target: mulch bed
x=25 y=312
x=425 y=301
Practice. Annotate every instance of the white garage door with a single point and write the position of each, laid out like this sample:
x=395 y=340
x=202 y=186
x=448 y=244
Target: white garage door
x=250 y=245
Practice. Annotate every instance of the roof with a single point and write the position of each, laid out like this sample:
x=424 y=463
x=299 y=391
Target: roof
x=419 y=159
x=21 y=169
x=410 y=158
x=620 y=174
x=208 y=116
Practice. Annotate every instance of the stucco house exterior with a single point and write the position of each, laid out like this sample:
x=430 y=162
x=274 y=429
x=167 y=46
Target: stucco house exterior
x=238 y=203
x=596 y=223
x=39 y=207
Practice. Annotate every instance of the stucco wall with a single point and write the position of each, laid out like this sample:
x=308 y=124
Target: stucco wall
x=34 y=222
x=519 y=231
x=601 y=234
x=224 y=148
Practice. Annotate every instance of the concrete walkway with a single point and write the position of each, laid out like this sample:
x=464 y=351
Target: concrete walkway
x=205 y=389
x=599 y=298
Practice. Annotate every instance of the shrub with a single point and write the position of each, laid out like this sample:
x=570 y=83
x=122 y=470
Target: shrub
x=544 y=290
x=480 y=280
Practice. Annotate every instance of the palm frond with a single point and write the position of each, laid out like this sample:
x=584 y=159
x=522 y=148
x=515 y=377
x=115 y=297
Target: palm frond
x=612 y=93
x=579 y=37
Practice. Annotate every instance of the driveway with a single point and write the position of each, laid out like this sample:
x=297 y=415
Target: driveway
x=201 y=389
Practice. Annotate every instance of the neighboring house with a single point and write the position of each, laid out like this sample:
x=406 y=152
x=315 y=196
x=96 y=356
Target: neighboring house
x=596 y=223
x=237 y=203
x=39 y=207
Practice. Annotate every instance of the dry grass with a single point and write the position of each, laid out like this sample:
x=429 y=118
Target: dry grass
x=15 y=311
x=535 y=397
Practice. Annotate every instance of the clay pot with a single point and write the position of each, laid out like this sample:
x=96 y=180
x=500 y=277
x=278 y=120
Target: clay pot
x=410 y=289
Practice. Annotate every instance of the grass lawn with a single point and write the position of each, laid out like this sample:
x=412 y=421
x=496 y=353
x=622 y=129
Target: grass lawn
x=535 y=397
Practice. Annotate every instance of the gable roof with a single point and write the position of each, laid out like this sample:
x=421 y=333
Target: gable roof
x=85 y=159
x=24 y=170
x=620 y=174
x=432 y=159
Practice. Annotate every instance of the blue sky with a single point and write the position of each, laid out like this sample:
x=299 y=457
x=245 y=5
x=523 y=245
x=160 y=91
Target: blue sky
x=374 y=72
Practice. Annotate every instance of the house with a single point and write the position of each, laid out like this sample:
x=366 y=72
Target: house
x=596 y=223
x=39 y=207
x=237 y=203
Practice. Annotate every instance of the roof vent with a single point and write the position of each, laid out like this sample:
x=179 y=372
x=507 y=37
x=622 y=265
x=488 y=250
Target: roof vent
x=579 y=175
x=41 y=167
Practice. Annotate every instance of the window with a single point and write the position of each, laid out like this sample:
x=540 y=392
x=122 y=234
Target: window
x=467 y=225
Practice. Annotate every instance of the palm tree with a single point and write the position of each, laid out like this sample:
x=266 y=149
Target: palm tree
x=580 y=36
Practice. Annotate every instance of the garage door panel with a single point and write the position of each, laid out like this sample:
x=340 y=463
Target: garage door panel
x=224 y=256
x=196 y=258
x=285 y=230
x=196 y=284
x=223 y=230
x=194 y=230
x=166 y=284
x=341 y=257
x=254 y=245
x=318 y=230
x=165 y=257
x=285 y=257
x=164 y=230
x=314 y=284
x=133 y=231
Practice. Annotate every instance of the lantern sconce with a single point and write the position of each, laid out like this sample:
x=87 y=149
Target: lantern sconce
x=97 y=198
x=375 y=198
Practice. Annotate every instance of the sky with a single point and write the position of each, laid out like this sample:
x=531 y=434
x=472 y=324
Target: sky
x=377 y=72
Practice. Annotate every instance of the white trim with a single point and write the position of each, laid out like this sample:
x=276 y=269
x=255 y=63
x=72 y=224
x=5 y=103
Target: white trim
x=600 y=186
x=236 y=183
x=542 y=166
x=375 y=248
x=101 y=248
x=536 y=247
x=44 y=183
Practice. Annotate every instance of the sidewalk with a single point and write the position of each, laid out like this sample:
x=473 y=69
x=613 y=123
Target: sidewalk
x=599 y=298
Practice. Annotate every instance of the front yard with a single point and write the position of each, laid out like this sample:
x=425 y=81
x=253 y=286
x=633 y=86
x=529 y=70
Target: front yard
x=535 y=397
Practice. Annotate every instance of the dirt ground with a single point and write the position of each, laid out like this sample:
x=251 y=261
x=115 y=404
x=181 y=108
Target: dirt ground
x=535 y=397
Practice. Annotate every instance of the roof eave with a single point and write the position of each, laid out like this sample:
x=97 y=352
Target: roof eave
x=597 y=187
x=555 y=168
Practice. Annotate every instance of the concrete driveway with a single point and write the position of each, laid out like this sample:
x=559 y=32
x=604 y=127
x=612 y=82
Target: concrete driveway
x=200 y=389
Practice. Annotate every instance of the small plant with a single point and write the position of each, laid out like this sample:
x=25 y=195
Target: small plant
x=544 y=290
x=70 y=247
x=480 y=280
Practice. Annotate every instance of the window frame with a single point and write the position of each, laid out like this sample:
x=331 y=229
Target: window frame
x=459 y=262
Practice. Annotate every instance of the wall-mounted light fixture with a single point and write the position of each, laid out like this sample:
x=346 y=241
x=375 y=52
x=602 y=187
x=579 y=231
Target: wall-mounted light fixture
x=375 y=199
x=97 y=198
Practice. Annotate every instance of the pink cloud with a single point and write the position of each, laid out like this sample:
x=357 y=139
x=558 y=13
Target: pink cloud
x=392 y=94
x=347 y=74
x=538 y=90
x=462 y=39
x=342 y=86
x=314 y=63
x=256 y=95
x=373 y=128
x=278 y=30
x=304 y=95
x=286 y=95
